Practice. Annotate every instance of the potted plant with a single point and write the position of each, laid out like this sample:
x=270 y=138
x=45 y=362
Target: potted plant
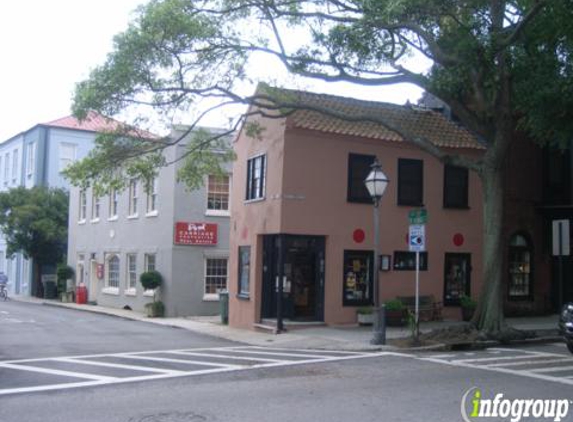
x=468 y=307
x=63 y=274
x=365 y=315
x=395 y=313
x=151 y=280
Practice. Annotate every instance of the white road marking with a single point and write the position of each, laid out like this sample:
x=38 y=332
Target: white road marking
x=160 y=373
x=530 y=362
x=502 y=358
x=555 y=369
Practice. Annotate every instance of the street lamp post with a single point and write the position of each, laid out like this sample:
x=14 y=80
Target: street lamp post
x=376 y=183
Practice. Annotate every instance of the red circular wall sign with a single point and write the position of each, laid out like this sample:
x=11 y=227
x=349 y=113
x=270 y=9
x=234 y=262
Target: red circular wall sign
x=358 y=235
x=458 y=239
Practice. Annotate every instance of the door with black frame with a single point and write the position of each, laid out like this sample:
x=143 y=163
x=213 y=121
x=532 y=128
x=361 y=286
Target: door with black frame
x=457 y=277
x=303 y=277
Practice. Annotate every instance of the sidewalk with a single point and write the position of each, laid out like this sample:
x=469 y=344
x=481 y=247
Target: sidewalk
x=352 y=337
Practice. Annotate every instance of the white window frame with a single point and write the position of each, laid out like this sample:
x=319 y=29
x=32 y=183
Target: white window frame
x=218 y=194
x=109 y=289
x=6 y=168
x=208 y=296
x=96 y=207
x=68 y=154
x=113 y=205
x=256 y=173
x=30 y=159
x=133 y=198
x=83 y=206
x=152 y=196
x=147 y=267
x=14 y=166
x=131 y=273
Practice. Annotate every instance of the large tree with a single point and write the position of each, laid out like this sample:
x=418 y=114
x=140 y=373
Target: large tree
x=35 y=223
x=501 y=66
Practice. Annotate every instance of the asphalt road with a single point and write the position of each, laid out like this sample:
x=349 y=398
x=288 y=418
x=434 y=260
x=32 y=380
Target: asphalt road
x=280 y=386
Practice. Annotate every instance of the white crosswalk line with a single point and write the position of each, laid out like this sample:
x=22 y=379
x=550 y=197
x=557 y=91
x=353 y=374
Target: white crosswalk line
x=57 y=372
x=184 y=361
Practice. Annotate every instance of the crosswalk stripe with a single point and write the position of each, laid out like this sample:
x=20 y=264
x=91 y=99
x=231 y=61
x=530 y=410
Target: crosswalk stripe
x=530 y=362
x=111 y=365
x=58 y=372
x=246 y=358
x=184 y=361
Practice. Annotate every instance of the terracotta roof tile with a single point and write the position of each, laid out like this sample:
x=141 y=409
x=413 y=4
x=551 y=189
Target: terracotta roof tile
x=94 y=122
x=415 y=121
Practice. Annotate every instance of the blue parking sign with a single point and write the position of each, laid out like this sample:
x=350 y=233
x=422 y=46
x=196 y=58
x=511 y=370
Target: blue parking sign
x=417 y=238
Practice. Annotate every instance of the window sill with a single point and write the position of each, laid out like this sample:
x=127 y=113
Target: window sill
x=130 y=292
x=211 y=298
x=94 y=220
x=132 y=216
x=152 y=214
x=112 y=291
x=217 y=213
x=452 y=207
x=251 y=201
x=114 y=218
x=149 y=293
x=82 y=221
x=243 y=296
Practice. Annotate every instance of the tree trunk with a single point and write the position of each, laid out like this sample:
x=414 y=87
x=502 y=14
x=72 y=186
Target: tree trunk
x=489 y=314
x=37 y=286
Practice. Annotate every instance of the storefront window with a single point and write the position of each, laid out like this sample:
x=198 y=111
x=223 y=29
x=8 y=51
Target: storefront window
x=357 y=278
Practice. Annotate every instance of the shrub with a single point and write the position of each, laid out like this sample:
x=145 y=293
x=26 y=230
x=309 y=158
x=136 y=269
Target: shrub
x=394 y=305
x=467 y=302
x=64 y=272
x=151 y=280
x=364 y=310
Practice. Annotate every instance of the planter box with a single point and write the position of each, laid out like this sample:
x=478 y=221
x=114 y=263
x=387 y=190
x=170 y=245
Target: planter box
x=365 y=319
x=467 y=313
x=396 y=318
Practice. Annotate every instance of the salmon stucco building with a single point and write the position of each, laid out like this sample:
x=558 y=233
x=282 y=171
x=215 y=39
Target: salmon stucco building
x=301 y=211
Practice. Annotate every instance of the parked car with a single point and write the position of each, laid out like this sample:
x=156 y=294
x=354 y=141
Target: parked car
x=566 y=324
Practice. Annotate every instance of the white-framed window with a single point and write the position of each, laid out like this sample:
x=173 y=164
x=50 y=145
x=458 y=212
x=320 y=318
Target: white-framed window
x=82 y=212
x=218 y=194
x=6 y=168
x=152 y=197
x=150 y=262
x=14 y=166
x=96 y=206
x=216 y=274
x=113 y=201
x=112 y=272
x=256 y=169
x=131 y=269
x=133 y=198
x=30 y=158
x=2 y=260
x=67 y=154
x=80 y=269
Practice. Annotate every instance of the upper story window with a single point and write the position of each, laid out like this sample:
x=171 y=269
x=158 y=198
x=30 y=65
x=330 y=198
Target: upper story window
x=152 y=197
x=410 y=182
x=113 y=201
x=30 y=158
x=6 y=168
x=67 y=154
x=256 y=168
x=82 y=206
x=218 y=194
x=358 y=169
x=14 y=165
x=133 y=197
x=96 y=206
x=455 y=187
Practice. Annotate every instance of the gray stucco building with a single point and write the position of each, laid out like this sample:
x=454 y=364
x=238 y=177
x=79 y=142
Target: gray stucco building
x=180 y=233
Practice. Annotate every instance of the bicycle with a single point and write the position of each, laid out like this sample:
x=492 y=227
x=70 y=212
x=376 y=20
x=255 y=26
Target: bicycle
x=3 y=291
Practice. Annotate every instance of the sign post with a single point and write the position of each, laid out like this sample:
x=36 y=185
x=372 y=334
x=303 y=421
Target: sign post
x=417 y=243
x=561 y=248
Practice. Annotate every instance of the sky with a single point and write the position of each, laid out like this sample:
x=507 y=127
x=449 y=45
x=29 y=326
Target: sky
x=47 y=46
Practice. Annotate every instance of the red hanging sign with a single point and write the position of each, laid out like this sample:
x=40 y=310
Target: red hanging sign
x=195 y=233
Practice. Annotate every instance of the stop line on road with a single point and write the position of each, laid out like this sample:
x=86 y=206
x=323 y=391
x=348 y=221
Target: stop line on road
x=547 y=366
x=100 y=369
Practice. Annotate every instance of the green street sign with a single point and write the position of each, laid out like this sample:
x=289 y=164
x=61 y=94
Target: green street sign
x=419 y=216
